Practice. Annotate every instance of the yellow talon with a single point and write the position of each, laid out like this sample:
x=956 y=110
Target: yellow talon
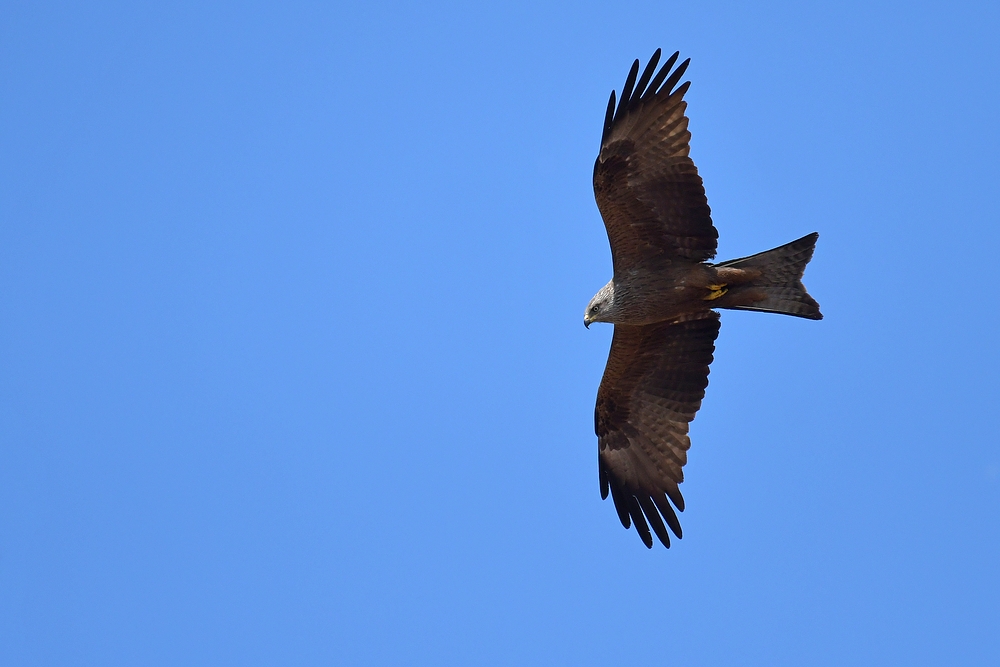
x=717 y=291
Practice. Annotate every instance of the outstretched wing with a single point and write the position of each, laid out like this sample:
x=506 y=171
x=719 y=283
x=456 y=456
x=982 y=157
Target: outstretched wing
x=647 y=188
x=652 y=388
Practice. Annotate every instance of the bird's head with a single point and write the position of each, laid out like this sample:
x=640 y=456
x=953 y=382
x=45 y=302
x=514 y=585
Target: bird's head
x=601 y=307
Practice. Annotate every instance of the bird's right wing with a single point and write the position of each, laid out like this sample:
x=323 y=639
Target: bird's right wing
x=647 y=188
x=652 y=387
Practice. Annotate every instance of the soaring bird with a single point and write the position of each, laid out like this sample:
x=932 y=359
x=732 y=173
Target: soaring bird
x=662 y=295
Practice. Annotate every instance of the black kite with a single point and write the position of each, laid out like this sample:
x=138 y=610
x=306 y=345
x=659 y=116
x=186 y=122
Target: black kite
x=662 y=296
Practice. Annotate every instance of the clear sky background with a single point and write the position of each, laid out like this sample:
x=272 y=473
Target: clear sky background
x=292 y=363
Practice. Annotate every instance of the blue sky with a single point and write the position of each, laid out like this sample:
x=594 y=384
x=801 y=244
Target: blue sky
x=293 y=368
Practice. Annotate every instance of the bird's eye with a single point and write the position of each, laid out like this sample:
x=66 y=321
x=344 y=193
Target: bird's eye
x=594 y=309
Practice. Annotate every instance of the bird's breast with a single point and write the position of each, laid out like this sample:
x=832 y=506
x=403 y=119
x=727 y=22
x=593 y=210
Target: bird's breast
x=655 y=296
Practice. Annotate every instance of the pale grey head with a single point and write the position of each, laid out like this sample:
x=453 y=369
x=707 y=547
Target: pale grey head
x=602 y=307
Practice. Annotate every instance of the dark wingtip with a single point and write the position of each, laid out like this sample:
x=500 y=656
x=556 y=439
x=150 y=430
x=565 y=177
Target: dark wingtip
x=647 y=73
x=609 y=117
x=669 y=84
x=654 y=86
x=633 y=91
x=639 y=521
x=620 y=507
x=653 y=517
x=675 y=496
x=668 y=513
x=627 y=88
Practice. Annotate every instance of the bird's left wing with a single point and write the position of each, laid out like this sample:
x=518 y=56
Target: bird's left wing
x=652 y=387
x=647 y=188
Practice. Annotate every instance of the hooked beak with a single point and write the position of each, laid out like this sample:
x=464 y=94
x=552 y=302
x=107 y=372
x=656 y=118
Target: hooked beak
x=586 y=321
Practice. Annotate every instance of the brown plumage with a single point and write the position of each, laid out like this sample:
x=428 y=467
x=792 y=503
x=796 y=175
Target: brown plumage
x=662 y=295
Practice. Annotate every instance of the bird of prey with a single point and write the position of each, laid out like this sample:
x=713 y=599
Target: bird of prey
x=662 y=296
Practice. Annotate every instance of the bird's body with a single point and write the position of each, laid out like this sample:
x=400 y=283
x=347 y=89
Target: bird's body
x=662 y=295
x=647 y=297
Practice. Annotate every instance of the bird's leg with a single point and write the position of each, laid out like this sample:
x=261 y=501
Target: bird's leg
x=726 y=277
x=717 y=291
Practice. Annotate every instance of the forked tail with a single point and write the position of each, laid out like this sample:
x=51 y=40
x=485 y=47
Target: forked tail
x=780 y=280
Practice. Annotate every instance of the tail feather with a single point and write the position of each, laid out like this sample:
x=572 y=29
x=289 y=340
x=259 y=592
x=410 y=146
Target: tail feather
x=780 y=280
